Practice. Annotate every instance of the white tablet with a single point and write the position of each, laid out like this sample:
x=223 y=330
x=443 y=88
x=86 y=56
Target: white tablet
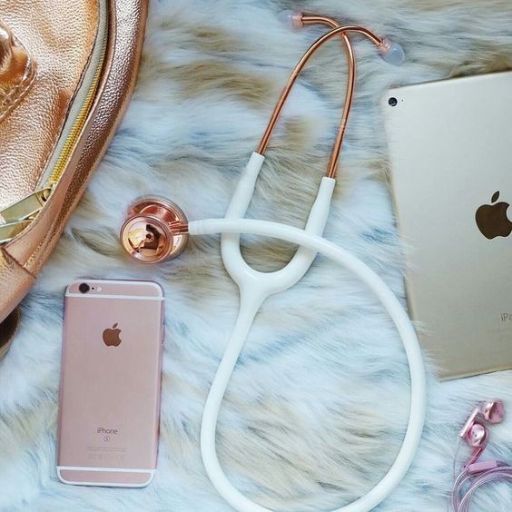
x=450 y=146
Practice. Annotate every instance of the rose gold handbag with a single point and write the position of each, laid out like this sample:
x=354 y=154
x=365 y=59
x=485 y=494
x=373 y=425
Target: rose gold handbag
x=67 y=69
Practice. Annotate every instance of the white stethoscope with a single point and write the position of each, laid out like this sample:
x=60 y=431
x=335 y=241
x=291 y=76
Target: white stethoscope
x=156 y=229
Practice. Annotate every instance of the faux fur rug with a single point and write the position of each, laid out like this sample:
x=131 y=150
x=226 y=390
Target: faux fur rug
x=318 y=404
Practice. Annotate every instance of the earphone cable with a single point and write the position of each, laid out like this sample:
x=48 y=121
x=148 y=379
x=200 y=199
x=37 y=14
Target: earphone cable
x=467 y=484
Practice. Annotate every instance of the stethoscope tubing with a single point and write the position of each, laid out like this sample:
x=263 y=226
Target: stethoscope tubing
x=248 y=310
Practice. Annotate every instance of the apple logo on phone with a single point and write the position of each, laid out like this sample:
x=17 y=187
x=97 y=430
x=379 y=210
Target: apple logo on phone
x=111 y=336
x=492 y=220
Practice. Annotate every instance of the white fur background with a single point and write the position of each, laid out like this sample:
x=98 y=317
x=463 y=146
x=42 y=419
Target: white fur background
x=318 y=404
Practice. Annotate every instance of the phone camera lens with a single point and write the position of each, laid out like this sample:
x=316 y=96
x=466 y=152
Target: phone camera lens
x=393 y=102
x=84 y=288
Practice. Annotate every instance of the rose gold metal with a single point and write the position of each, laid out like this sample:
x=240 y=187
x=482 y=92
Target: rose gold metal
x=155 y=230
x=308 y=19
x=351 y=81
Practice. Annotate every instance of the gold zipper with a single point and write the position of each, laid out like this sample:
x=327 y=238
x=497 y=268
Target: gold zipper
x=76 y=129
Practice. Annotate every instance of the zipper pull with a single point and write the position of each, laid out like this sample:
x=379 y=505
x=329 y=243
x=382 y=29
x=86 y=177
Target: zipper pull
x=25 y=208
x=9 y=231
x=16 y=217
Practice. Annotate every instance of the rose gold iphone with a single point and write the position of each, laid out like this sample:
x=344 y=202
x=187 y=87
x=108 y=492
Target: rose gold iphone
x=110 y=383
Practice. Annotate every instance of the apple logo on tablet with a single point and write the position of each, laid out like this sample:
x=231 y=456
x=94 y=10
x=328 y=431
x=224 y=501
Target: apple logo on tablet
x=492 y=220
x=111 y=336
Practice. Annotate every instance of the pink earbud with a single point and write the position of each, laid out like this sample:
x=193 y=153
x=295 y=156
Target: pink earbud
x=477 y=436
x=475 y=433
x=493 y=412
x=476 y=473
x=155 y=230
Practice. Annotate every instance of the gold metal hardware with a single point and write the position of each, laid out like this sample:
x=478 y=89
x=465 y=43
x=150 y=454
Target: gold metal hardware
x=14 y=59
x=16 y=217
x=9 y=231
x=26 y=207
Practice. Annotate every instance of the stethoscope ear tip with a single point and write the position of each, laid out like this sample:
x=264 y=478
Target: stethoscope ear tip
x=389 y=50
x=392 y=52
x=292 y=19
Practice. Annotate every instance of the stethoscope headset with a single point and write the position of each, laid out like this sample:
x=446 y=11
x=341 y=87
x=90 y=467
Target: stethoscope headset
x=156 y=230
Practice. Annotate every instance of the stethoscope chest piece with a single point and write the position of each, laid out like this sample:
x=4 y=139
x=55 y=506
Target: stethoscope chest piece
x=154 y=230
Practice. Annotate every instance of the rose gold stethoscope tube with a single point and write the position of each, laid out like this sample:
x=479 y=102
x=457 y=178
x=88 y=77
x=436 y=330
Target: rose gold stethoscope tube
x=351 y=81
x=338 y=30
